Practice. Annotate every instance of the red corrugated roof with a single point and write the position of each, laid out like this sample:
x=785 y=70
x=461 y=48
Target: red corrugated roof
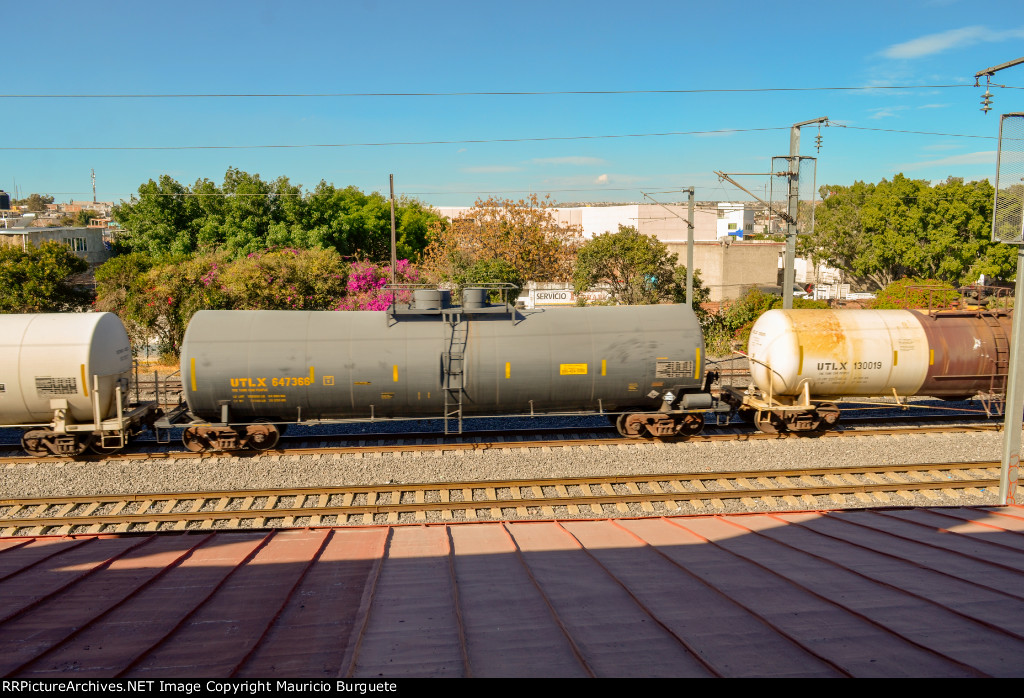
x=911 y=592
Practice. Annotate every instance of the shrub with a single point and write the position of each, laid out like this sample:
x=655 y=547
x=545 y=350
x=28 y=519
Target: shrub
x=915 y=293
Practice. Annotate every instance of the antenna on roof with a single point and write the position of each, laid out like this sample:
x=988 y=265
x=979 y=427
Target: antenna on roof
x=93 y=171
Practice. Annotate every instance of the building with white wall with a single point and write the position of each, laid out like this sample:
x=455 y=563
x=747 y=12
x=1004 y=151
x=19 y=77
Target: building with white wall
x=667 y=223
x=727 y=264
x=734 y=219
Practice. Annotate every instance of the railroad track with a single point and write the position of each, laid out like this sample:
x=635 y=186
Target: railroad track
x=590 y=497
x=537 y=438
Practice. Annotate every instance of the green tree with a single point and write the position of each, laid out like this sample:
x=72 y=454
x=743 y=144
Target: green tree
x=34 y=203
x=288 y=279
x=39 y=279
x=83 y=217
x=157 y=300
x=701 y=294
x=492 y=271
x=524 y=234
x=163 y=221
x=915 y=293
x=247 y=214
x=905 y=228
x=728 y=329
x=121 y=288
x=638 y=268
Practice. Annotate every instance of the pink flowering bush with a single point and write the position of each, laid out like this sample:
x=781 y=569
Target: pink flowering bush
x=159 y=301
x=367 y=284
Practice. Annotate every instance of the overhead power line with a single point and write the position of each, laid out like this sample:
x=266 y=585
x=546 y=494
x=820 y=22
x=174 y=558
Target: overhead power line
x=920 y=133
x=394 y=143
x=465 y=141
x=228 y=95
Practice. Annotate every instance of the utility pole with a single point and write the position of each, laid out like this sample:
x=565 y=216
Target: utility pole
x=394 y=257
x=689 y=241
x=788 y=275
x=1008 y=228
x=689 y=249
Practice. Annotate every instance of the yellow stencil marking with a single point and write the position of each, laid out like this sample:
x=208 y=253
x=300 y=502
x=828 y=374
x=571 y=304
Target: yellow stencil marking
x=572 y=369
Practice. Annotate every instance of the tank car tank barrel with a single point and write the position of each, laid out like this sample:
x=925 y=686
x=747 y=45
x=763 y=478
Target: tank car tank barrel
x=843 y=353
x=435 y=361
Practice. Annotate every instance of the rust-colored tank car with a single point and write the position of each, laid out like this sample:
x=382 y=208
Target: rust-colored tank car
x=801 y=359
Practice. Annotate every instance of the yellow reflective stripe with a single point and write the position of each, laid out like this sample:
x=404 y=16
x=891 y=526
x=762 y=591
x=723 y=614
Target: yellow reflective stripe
x=604 y=367
x=931 y=357
x=696 y=366
x=85 y=383
x=192 y=373
x=800 y=368
x=895 y=358
x=508 y=369
x=394 y=373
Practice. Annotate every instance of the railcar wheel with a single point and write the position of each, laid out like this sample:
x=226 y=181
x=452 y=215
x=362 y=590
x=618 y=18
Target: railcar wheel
x=768 y=422
x=33 y=442
x=829 y=414
x=691 y=425
x=194 y=440
x=631 y=426
x=261 y=437
x=97 y=447
x=643 y=425
x=40 y=443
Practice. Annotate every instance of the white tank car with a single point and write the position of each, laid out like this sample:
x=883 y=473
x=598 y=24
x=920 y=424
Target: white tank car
x=854 y=352
x=55 y=356
x=800 y=360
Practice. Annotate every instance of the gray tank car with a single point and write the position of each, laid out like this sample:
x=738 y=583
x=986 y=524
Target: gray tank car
x=243 y=372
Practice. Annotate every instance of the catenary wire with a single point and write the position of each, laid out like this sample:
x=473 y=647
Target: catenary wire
x=505 y=93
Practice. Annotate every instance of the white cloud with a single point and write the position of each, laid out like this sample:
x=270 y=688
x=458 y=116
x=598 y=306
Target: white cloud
x=944 y=41
x=942 y=146
x=985 y=157
x=569 y=160
x=603 y=179
x=885 y=112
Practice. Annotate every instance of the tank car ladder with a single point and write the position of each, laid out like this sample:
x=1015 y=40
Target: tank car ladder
x=995 y=399
x=453 y=365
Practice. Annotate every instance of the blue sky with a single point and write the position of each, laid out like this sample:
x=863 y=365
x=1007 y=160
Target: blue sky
x=690 y=88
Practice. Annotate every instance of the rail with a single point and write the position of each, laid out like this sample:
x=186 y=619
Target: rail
x=587 y=497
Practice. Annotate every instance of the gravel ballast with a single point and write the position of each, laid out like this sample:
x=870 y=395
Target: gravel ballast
x=63 y=478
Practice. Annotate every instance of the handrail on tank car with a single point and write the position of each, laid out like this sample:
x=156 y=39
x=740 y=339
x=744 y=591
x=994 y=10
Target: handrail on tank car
x=762 y=363
x=981 y=297
x=931 y=289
